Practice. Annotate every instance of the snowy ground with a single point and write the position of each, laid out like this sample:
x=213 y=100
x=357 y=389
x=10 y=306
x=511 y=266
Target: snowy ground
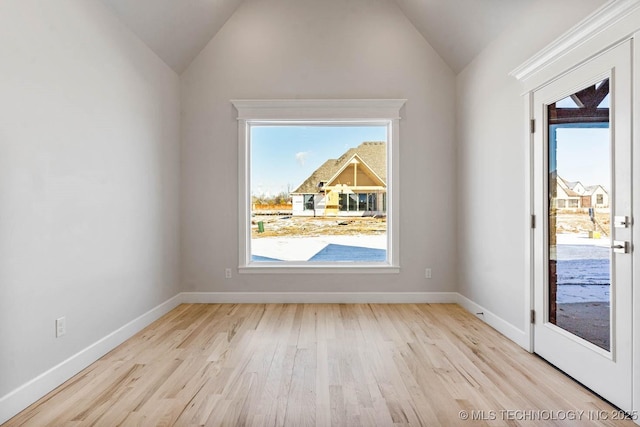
x=305 y=248
x=583 y=268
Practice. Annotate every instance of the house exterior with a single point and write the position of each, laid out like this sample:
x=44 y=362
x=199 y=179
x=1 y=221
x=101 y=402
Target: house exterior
x=575 y=195
x=595 y=197
x=352 y=185
x=566 y=196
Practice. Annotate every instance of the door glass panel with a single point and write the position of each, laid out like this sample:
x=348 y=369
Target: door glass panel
x=579 y=217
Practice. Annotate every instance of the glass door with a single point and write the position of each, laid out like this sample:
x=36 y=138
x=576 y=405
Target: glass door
x=582 y=191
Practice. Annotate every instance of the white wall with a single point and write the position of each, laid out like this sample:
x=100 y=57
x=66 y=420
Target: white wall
x=89 y=158
x=317 y=49
x=491 y=181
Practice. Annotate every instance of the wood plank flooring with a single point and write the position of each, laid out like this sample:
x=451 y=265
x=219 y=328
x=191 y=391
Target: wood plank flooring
x=318 y=365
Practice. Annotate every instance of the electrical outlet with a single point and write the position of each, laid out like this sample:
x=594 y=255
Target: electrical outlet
x=427 y=273
x=61 y=326
x=227 y=273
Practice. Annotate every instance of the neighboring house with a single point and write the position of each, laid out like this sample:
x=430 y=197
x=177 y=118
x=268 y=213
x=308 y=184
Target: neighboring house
x=595 y=197
x=566 y=197
x=576 y=195
x=352 y=185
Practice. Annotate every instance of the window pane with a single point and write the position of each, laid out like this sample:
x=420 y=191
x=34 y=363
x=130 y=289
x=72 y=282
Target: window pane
x=344 y=202
x=314 y=186
x=353 y=202
x=579 y=218
x=308 y=202
x=362 y=202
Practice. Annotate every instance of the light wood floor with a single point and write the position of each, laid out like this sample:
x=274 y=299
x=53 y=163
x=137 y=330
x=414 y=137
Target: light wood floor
x=316 y=364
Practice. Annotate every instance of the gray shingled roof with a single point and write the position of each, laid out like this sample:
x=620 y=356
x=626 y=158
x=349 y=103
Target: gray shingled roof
x=567 y=188
x=374 y=154
x=592 y=188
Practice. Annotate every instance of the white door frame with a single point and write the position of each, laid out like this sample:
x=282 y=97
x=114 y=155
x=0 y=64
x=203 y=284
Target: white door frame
x=635 y=194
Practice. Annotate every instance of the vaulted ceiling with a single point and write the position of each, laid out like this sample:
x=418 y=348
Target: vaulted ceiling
x=177 y=30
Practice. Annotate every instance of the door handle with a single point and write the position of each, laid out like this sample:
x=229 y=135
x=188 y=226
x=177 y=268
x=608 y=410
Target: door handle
x=620 y=247
x=621 y=221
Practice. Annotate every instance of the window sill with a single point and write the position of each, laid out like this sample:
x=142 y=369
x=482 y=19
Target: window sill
x=318 y=269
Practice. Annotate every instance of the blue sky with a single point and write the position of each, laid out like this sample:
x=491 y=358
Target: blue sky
x=284 y=156
x=583 y=154
x=584 y=150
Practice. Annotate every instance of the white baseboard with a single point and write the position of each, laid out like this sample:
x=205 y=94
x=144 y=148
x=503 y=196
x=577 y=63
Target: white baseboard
x=516 y=335
x=319 y=297
x=19 y=399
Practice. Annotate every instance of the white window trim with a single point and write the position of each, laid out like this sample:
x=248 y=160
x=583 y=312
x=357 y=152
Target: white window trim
x=316 y=111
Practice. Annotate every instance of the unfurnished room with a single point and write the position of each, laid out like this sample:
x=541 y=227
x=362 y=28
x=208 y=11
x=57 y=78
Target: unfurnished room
x=319 y=212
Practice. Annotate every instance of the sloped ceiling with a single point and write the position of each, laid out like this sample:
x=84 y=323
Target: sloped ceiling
x=177 y=30
x=460 y=29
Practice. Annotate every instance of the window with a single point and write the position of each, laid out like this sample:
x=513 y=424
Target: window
x=308 y=202
x=599 y=199
x=348 y=188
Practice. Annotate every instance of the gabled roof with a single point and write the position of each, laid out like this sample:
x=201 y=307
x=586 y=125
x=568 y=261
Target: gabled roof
x=592 y=189
x=358 y=160
x=574 y=184
x=568 y=187
x=372 y=153
x=561 y=182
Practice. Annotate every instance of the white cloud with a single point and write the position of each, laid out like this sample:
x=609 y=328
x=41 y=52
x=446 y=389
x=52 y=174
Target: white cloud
x=301 y=157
